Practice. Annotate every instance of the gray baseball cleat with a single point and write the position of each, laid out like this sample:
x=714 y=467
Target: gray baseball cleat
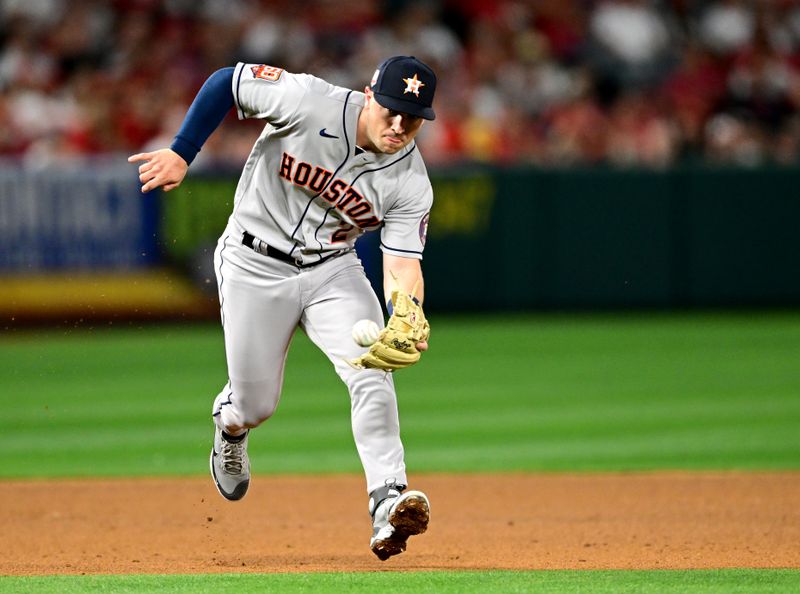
x=230 y=465
x=395 y=517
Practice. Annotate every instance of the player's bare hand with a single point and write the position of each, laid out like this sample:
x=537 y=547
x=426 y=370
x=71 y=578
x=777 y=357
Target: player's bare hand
x=163 y=168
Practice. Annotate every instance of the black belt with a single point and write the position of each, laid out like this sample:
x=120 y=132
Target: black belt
x=259 y=246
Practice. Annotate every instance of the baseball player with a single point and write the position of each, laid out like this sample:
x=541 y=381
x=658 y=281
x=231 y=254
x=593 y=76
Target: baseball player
x=330 y=165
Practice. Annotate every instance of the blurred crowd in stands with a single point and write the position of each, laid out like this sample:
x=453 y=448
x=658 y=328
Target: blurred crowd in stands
x=552 y=83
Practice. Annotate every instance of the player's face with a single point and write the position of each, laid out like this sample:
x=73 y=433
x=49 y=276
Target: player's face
x=386 y=130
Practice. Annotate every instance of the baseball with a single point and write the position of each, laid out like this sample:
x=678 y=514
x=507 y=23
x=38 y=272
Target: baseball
x=365 y=332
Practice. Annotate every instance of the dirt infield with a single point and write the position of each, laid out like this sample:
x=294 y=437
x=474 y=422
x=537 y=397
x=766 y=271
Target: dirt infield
x=518 y=521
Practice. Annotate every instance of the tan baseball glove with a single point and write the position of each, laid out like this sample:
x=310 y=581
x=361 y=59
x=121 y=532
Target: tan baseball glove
x=396 y=347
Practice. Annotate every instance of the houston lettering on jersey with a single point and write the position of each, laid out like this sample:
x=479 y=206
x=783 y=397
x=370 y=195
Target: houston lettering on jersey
x=343 y=197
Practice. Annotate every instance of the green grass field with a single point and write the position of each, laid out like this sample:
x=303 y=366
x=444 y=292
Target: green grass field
x=523 y=393
x=497 y=393
x=444 y=582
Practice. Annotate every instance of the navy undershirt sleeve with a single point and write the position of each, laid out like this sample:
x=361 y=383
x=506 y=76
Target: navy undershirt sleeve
x=209 y=108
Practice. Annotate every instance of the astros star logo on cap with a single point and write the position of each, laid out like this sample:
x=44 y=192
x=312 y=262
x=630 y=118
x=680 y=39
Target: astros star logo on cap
x=413 y=85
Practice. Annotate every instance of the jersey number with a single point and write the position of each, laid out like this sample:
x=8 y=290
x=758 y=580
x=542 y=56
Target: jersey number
x=341 y=233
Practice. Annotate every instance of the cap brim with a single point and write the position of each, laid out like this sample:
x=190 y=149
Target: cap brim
x=409 y=107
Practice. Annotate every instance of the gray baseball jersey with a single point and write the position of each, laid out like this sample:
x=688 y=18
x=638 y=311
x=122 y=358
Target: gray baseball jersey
x=306 y=190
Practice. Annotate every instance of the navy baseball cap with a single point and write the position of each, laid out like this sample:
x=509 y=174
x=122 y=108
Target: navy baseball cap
x=405 y=84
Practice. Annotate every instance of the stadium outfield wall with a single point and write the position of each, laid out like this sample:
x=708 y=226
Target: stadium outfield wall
x=80 y=241
x=71 y=238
